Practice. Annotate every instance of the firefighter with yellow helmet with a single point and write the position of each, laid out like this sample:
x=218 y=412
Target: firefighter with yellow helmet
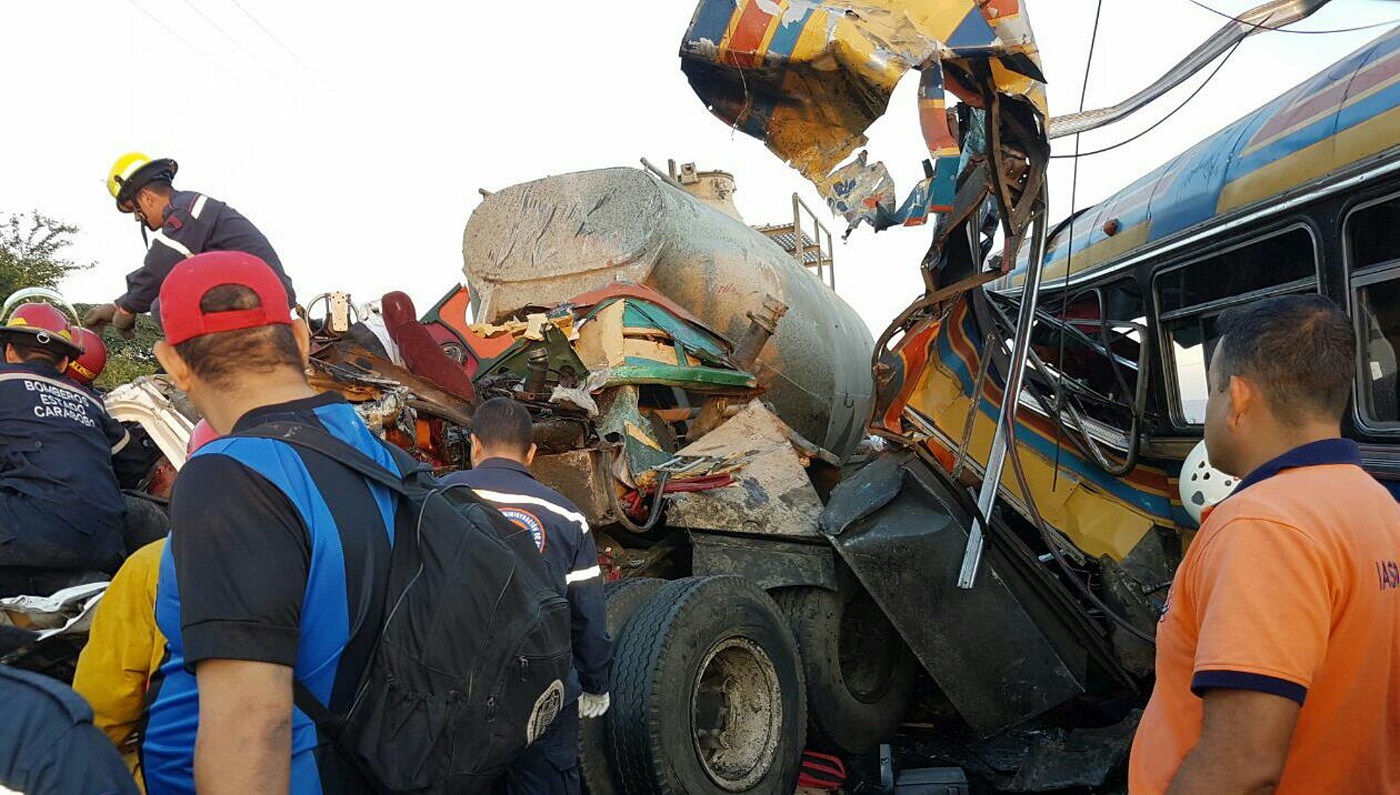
x=183 y=223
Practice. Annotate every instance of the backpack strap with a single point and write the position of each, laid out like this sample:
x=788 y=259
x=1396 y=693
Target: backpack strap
x=310 y=437
x=333 y=727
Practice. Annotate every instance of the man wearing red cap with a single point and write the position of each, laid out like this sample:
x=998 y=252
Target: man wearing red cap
x=277 y=555
x=60 y=508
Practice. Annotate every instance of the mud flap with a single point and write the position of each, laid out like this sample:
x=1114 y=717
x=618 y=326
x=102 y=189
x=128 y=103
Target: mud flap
x=902 y=531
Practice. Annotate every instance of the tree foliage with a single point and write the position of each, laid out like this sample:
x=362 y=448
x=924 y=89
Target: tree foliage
x=127 y=360
x=32 y=252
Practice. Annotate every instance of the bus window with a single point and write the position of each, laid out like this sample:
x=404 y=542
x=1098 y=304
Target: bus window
x=1373 y=235
x=1191 y=296
x=1377 y=317
x=1373 y=256
x=1189 y=356
x=1239 y=273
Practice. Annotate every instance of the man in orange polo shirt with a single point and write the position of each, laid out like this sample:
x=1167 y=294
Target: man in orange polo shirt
x=1278 y=658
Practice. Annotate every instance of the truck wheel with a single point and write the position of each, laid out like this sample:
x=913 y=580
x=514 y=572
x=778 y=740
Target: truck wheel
x=707 y=693
x=624 y=597
x=860 y=674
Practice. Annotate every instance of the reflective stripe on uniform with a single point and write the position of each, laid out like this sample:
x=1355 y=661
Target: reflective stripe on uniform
x=579 y=575
x=119 y=446
x=198 y=206
x=525 y=499
x=159 y=237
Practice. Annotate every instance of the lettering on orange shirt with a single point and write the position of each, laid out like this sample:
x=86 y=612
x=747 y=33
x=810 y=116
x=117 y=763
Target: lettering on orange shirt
x=1388 y=573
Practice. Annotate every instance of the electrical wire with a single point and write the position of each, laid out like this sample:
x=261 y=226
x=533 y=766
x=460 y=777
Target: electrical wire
x=1280 y=29
x=1048 y=538
x=1046 y=534
x=1073 y=206
x=255 y=59
x=1160 y=121
x=186 y=42
x=273 y=36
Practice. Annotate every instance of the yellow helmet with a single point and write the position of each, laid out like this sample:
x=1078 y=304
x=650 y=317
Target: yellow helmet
x=133 y=170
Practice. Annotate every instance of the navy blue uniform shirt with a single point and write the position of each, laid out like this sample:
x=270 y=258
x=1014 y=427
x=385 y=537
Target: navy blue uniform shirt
x=561 y=533
x=277 y=554
x=56 y=479
x=48 y=745
x=195 y=223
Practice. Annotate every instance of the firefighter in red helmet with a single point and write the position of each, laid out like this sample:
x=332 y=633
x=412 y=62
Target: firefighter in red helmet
x=85 y=368
x=60 y=509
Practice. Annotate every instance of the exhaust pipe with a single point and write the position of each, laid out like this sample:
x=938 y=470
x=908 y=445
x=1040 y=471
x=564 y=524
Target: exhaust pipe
x=1260 y=19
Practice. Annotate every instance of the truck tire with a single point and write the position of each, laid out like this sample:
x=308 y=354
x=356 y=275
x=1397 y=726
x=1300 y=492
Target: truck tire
x=624 y=597
x=860 y=674
x=707 y=693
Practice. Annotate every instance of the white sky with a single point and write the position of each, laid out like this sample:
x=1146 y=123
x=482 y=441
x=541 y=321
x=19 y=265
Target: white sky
x=358 y=142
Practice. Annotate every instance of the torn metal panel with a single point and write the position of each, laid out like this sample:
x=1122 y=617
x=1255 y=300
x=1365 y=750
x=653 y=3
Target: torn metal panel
x=345 y=363
x=636 y=342
x=767 y=562
x=808 y=77
x=903 y=538
x=564 y=366
x=645 y=441
x=771 y=493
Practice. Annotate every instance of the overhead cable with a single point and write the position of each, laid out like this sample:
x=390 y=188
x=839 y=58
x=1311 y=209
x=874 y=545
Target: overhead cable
x=273 y=36
x=185 y=41
x=235 y=42
x=1073 y=207
x=1159 y=122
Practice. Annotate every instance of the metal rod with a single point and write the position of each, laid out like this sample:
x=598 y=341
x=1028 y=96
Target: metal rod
x=831 y=255
x=797 y=248
x=662 y=174
x=818 y=229
x=1259 y=19
x=1020 y=347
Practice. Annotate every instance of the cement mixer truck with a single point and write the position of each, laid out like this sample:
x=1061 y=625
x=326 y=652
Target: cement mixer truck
x=769 y=585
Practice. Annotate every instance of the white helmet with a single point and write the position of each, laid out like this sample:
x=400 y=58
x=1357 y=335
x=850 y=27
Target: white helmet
x=1201 y=485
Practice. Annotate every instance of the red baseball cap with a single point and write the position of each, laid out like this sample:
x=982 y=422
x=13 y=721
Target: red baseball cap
x=190 y=280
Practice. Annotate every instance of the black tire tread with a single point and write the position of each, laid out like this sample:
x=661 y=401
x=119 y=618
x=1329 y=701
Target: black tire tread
x=595 y=766
x=633 y=730
x=639 y=662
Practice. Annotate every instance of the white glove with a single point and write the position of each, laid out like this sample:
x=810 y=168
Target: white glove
x=592 y=705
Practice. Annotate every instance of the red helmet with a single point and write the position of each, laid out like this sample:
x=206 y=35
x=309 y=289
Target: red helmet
x=202 y=434
x=86 y=368
x=44 y=325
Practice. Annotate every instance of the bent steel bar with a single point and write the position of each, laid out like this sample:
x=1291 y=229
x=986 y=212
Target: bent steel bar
x=996 y=461
x=1260 y=19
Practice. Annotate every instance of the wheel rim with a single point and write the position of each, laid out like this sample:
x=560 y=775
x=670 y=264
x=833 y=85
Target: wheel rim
x=867 y=665
x=736 y=714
